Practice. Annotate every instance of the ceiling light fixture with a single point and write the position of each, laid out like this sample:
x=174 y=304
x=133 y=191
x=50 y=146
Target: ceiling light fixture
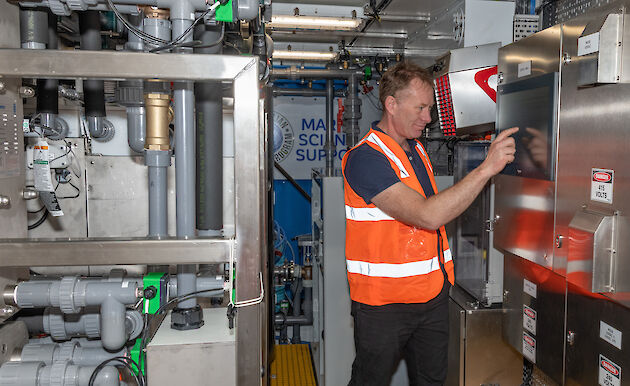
x=303 y=55
x=314 y=22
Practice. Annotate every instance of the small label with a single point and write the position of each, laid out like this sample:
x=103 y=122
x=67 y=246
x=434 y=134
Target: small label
x=525 y=68
x=529 y=288
x=609 y=372
x=41 y=167
x=529 y=319
x=602 y=182
x=529 y=347
x=26 y=126
x=610 y=334
x=588 y=44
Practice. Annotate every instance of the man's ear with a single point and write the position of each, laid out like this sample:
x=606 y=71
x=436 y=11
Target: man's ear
x=390 y=104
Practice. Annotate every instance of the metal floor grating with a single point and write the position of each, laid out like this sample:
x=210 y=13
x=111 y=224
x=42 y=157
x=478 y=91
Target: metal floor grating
x=292 y=366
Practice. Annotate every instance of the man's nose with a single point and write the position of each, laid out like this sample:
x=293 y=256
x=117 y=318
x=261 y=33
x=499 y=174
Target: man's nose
x=426 y=115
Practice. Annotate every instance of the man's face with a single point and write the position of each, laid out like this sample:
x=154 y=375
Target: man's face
x=412 y=109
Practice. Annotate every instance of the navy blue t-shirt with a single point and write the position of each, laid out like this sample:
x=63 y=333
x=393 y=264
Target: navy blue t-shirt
x=369 y=172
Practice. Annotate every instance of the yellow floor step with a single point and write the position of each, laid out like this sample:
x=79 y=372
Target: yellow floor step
x=292 y=366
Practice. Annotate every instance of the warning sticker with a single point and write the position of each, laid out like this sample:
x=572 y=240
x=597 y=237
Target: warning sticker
x=529 y=319
x=602 y=181
x=529 y=347
x=609 y=372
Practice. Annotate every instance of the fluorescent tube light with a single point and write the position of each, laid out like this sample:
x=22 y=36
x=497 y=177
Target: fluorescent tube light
x=314 y=22
x=303 y=55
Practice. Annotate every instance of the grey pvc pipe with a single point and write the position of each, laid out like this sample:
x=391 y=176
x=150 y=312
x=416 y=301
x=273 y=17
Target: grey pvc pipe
x=136 y=127
x=72 y=293
x=54 y=323
x=68 y=351
x=109 y=376
x=306 y=318
x=158 y=161
x=113 y=330
x=93 y=89
x=33 y=28
x=247 y=9
x=59 y=373
x=204 y=283
x=134 y=43
x=160 y=28
x=184 y=159
x=297 y=310
x=158 y=201
x=136 y=114
x=329 y=146
x=209 y=116
x=84 y=342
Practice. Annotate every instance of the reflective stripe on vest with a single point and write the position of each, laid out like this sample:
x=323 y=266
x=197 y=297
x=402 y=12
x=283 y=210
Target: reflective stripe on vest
x=424 y=154
x=390 y=154
x=397 y=270
x=366 y=214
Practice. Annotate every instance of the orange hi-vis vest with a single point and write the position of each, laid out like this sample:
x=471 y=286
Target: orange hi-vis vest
x=389 y=261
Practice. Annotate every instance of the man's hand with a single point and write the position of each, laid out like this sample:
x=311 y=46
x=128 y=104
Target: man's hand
x=501 y=153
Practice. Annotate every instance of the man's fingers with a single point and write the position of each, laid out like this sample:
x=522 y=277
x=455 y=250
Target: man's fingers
x=506 y=133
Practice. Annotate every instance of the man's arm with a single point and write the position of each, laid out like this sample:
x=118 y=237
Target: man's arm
x=408 y=206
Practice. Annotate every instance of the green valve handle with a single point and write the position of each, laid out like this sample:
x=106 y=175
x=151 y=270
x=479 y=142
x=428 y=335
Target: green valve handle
x=226 y=11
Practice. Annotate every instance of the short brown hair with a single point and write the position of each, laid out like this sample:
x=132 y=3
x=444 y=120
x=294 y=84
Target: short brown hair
x=398 y=77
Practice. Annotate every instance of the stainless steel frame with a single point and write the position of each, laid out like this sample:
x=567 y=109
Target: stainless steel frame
x=250 y=170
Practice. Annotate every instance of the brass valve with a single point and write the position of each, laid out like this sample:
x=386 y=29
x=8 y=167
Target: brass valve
x=159 y=115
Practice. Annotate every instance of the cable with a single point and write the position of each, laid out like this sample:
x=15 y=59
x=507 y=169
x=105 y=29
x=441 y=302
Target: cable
x=39 y=222
x=192 y=44
x=216 y=42
x=147 y=38
x=71 y=184
x=36 y=211
x=125 y=362
x=233 y=46
x=175 y=43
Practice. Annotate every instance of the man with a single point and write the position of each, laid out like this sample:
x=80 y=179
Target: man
x=398 y=259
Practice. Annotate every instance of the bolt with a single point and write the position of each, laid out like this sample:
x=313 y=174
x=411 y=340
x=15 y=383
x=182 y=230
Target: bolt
x=7 y=311
x=3 y=88
x=26 y=92
x=4 y=201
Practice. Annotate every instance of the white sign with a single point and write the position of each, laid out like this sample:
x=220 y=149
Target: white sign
x=529 y=288
x=588 y=44
x=525 y=68
x=529 y=319
x=300 y=133
x=610 y=334
x=602 y=181
x=609 y=372
x=529 y=347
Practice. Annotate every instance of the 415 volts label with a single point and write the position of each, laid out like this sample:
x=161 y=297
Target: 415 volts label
x=602 y=182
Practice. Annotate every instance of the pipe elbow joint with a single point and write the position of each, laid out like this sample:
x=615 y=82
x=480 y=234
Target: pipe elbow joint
x=113 y=329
